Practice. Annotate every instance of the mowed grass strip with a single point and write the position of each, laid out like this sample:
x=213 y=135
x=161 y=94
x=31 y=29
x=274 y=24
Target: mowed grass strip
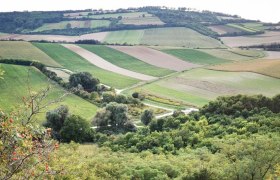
x=26 y=51
x=14 y=86
x=265 y=67
x=125 y=36
x=76 y=63
x=125 y=61
x=195 y=56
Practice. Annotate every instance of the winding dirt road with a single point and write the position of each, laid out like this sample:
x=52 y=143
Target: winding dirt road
x=100 y=62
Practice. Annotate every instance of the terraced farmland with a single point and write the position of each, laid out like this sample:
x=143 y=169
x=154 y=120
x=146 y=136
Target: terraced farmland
x=125 y=61
x=163 y=37
x=266 y=67
x=199 y=86
x=224 y=29
x=195 y=56
x=24 y=50
x=74 y=24
x=14 y=86
x=76 y=63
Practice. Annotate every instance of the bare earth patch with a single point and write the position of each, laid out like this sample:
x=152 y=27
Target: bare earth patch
x=266 y=38
x=56 y=38
x=100 y=62
x=223 y=29
x=156 y=58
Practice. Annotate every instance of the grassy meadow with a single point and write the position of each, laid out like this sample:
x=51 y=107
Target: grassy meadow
x=125 y=61
x=195 y=56
x=76 y=63
x=16 y=81
x=24 y=50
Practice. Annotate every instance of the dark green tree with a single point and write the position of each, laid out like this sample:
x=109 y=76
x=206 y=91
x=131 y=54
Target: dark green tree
x=147 y=116
x=85 y=80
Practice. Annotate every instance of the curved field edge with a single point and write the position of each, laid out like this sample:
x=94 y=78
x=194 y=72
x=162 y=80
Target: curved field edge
x=14 y=86
x=126 y=61
x=76 y=63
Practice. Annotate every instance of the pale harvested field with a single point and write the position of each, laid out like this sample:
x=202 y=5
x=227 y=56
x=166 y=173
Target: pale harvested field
x=100 y=62
x=265 y=67
x=223 y=29
x=56 y=38
x=60 y=73
x=156 y=58
x=266 y=38
x=272 y=55
x=152 y=20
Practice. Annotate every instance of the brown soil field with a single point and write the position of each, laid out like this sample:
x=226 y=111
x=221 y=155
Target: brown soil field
x=266 y=38
x=223 y=29
x=266 y=67
x=56 y=38
x=156 y=58
x=101 y=63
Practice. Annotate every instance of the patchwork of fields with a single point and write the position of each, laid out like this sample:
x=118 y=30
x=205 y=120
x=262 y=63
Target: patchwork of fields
x=76 y=63
x=14 y=86
x=162 y=37
x=199 y=86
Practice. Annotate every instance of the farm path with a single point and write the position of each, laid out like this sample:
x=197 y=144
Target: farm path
x=102 y=63
x=156 y=58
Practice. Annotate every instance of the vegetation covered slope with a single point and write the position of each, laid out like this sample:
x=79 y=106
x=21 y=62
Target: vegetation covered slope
x=75 y=63
x=15 y=84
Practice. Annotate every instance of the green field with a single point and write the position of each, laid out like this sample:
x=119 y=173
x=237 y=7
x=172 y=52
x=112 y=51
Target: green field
x=234 y=54
x=125 y=61
x=24 y=50
x=125 y=36
x=123 y=15
x=243 y=27
x=14 y=86
x=199 y=86
x=163 y=37
x=255 y=26
x=74 y=24
x=195 y=56
x=76 y=63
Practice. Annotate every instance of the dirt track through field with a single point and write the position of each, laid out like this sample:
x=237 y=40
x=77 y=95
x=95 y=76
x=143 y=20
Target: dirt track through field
x=156 y=58
x=100 y=62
